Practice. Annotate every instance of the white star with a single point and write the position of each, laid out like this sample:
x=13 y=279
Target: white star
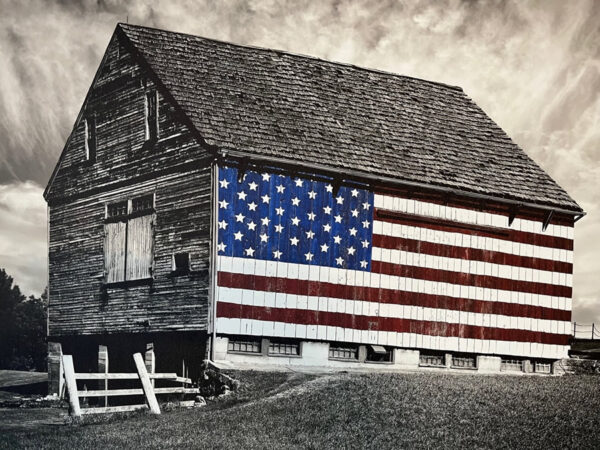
x=252 y=206
x=238 y=236
x=265 y=198
x=278 y=228
x=223 y=225
x=311 y=215
x=253 y=186
x=352 y=231
x=308 y=256
x=242 y=195
x=280 y=189
x=240 y=217
x=251 y=225
x=354 y=213
x=312 y=194
x=329 y=188
x=327 y=227
x=263 y=237
x=265 y=221
x=366 y=205
x=365 y=244
x=337 y=239
x=279 y=211
x=223 y=204
x=324 y=248
x=294 y=241
x=298 y=182
x=327 y=209
x=338 y=219
x=351 y=250
x=250 y=251
x=363 y=264
x=295 y=201
x=310 y=234
x=266 y=177
x=277 y=254
x=224 y=183
x=366 y=224
x=221 y=247
x=339 y=261
x=295 y=221
x=339 y=199
x=354 y=192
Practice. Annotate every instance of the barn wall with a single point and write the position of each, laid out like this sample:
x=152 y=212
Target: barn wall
x=443 y=276
x=174 y=168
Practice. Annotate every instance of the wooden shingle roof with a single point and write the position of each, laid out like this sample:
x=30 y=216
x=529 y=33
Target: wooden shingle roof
x=307 y=110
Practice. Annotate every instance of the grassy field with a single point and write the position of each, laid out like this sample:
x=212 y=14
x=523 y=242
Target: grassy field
x=283 y=410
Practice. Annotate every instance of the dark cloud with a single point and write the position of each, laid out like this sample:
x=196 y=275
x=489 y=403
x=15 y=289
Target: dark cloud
x=533 y=66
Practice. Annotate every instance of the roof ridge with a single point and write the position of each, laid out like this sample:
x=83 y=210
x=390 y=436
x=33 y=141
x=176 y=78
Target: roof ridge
x=298 y=55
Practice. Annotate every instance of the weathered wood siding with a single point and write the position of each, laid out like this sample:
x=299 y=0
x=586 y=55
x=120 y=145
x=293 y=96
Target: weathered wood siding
x=175 y=169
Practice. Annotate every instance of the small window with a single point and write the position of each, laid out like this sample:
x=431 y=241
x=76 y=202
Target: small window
x=181 y=262
x=464 y=362
x=542 y=367
x=284 y=348
x=142 y=204
x=378 y=353
x=90 y=139
x=511 y=365
x=243 y=345
x=431 y=359
x=151 y=116
x=345 y=352
x=117 y=210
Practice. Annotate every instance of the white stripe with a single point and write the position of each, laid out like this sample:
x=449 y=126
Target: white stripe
x=367 y=279
x=406 y=340
x=469 y=266
x=470 y=241
x=464 y=215
x=374 y=309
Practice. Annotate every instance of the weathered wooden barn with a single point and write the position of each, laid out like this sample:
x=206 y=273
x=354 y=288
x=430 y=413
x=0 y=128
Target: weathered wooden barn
x=253 y=207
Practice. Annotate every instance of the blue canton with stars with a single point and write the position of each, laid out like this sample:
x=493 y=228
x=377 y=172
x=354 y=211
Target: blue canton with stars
x=296 y=220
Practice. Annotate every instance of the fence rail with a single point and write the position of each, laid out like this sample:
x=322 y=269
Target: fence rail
x=589 y=331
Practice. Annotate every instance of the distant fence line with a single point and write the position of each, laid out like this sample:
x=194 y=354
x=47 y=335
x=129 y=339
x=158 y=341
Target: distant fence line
x=585 y=331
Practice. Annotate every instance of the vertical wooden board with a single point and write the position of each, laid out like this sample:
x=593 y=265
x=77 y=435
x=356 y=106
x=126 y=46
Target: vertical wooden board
x=140 y=243
x=114 y=251
x=146 y=384
x=71 y=383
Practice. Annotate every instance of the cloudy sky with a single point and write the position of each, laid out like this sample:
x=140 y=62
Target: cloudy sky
x=533 y=66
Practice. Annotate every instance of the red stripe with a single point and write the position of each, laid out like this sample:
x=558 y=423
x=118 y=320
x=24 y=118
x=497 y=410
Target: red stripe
x=505 y=234
x=470 y=279
x=451 y=251
x=391 y=296
x=333 y=319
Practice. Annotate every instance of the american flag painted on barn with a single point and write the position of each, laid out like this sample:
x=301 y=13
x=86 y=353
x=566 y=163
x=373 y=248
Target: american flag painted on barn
x=299 y=258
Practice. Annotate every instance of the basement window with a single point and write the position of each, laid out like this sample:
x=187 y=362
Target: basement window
x=542 y=367
x=284 y=348
x=151 y=116
x=432 y=359
x=464 y=362
x=511 y=365
x=243 y=345
x=379 y=354
x=90 y=139
x=343 y=352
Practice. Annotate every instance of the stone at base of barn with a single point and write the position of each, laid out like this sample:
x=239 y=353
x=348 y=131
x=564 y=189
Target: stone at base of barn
x=315 y=356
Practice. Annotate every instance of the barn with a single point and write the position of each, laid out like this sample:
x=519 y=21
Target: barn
x=261 y=208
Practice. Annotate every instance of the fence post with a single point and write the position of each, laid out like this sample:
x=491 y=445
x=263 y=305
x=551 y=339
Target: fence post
x=103 y=368
x=55 y=369
x=593 y=330
x=150 y=359
x=575 y=330
x=146 y=384
x=71 y=383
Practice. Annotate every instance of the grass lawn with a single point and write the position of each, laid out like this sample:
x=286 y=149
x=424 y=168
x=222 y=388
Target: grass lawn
x=283 y=410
